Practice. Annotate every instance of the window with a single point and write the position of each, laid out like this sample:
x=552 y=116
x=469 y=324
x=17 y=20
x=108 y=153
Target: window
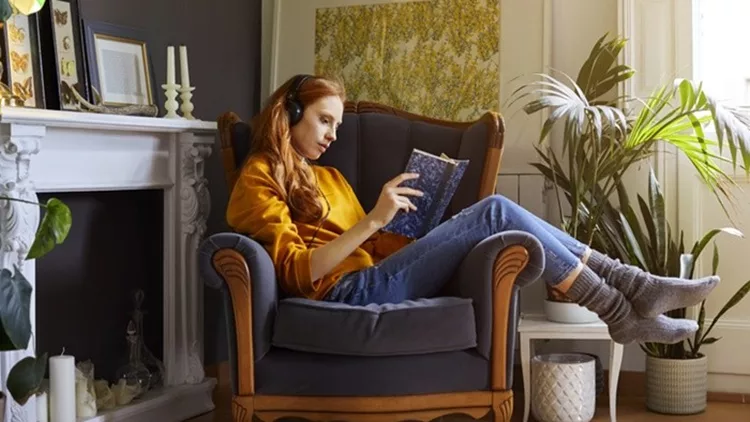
x=722 y=61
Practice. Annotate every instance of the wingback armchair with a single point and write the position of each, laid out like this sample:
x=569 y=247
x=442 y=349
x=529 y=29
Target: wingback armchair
x=417 y=360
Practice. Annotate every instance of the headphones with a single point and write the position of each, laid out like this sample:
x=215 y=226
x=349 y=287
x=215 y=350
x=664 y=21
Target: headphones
x=294 y=107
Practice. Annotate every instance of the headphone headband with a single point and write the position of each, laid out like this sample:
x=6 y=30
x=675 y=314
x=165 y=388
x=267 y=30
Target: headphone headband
x=294 y=90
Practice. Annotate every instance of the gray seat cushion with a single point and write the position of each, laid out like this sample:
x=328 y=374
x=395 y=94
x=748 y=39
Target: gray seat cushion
x=420 y=326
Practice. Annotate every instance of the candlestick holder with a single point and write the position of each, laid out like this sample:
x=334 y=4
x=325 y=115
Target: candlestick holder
x=186 y=93
x=170 y=91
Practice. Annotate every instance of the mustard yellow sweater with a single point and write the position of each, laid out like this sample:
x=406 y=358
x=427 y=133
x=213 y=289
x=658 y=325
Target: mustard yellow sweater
x=256 y=208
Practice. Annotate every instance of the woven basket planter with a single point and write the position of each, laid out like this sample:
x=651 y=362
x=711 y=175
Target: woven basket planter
x=676 y=386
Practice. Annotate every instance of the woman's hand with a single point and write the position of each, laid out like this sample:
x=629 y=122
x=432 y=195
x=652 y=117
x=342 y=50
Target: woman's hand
x=393 y=198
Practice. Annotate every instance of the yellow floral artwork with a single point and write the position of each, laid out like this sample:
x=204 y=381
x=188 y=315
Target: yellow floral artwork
x=439 y=58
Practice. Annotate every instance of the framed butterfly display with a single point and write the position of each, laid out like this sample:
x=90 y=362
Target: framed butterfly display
x=63 y=53
x=21 y=68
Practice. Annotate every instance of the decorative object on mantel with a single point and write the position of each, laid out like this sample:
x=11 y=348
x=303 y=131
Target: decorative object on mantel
x=186 y=91
x=62 y=52
x=27 y=7
x=128 y=110
x=154 y=366
x=107 y=74
x=134 y=373
x=62 y=388
x=85 y=391
x=42 y=405
x=20 y=58
x=170 y=88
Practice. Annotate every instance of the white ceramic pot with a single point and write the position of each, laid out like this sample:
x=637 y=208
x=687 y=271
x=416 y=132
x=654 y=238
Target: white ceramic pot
x=563 y=387
x=676 y=386
x=568 y=313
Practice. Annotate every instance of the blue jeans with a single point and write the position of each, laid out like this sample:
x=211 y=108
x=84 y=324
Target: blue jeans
x=423 y=267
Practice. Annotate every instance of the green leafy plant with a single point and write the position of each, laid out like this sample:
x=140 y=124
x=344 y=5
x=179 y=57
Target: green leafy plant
x=602 y=140
x=26 y=376
x=659 y=251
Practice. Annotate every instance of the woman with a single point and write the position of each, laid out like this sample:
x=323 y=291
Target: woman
x=325 y=247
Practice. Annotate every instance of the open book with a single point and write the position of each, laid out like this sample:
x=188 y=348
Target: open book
x=438 y=179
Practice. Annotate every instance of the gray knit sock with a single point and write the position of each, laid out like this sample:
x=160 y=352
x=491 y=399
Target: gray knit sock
x=651 y=295
x=624 y=324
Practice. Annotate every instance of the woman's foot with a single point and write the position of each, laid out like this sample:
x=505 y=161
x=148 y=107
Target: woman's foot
x=624 y=324
x=651 y=295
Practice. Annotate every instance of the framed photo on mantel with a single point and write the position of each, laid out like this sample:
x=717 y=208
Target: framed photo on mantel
x=63 y=53
x=119 y=64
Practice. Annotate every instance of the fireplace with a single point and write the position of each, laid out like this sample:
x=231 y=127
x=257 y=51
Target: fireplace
x=98 y=162
x=85 y=288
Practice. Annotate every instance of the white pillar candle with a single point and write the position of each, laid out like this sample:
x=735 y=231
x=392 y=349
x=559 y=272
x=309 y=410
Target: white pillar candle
x=184 y=73
x=42 y=412
x=170 y=65
x=62 y=388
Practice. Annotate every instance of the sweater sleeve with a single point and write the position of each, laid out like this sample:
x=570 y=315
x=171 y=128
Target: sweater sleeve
x=256 y=208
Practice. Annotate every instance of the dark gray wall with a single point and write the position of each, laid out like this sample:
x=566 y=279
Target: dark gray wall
x=223 y=40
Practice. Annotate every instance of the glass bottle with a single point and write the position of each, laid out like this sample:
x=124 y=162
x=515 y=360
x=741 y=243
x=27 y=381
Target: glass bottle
x=135 y=372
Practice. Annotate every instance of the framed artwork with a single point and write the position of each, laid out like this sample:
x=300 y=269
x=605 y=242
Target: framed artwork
x=119 y=64
x=62 y=53
x=21 y=60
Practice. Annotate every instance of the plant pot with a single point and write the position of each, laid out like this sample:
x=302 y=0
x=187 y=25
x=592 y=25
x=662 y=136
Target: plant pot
x=568 y=313
x=676 y=386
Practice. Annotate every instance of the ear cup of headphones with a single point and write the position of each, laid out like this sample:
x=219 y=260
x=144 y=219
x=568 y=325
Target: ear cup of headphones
x=294 y=107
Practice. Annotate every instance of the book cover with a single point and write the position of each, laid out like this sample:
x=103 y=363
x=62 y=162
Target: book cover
x=439 y=177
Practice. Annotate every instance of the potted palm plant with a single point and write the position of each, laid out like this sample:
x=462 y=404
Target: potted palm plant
x=601 y=141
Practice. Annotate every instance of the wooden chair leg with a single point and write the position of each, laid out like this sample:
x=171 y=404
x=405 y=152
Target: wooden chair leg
x=502 y=406
x=242 y=409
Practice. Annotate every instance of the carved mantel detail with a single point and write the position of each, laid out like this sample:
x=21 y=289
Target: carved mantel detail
x=18 y=223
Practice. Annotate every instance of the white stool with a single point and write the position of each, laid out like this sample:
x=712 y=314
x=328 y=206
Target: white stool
x=538 y=327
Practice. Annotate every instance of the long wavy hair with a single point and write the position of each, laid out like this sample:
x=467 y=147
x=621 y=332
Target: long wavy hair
x=272 y=138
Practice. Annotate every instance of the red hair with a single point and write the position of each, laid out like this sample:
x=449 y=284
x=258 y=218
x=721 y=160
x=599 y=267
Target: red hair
x=272 y=137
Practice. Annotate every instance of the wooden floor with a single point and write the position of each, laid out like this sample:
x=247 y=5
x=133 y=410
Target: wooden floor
x=629 y=410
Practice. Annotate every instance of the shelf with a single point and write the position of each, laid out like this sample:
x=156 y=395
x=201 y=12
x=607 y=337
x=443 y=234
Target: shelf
x=163 y=405
x=88 y=120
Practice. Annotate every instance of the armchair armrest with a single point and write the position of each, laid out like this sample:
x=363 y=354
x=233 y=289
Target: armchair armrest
x=492 y=275
x=242 y=269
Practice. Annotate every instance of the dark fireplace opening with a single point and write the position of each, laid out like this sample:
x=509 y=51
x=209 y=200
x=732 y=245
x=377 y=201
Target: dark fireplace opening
x=85 y=287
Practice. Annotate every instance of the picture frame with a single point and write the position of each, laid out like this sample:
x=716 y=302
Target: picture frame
x=119 y=64
x=21 y=60
x=63 y=54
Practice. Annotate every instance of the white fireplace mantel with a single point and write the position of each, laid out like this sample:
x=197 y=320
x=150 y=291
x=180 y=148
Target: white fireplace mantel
x=61 y=151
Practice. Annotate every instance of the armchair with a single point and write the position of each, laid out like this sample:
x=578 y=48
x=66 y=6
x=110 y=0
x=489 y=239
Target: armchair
x=418 y=360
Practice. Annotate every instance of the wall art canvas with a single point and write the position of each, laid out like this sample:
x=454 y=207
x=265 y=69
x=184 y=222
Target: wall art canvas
x=439 y=58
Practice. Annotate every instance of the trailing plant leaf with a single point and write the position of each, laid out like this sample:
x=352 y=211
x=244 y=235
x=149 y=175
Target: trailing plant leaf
x=15 y=305
x=25 y=378
x=53 y=230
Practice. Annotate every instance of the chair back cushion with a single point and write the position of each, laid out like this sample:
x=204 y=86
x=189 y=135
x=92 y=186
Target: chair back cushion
x=406 y=328
x=374 y=143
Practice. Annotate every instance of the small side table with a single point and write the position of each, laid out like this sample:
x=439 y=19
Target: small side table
x=531 y=328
